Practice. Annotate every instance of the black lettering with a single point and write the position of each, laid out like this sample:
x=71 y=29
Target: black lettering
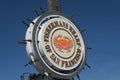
x=52 y=24
x=46 y=39
x=60 y=24
x=65 y=25
x=56 y=23
x=63 y=62
x=46 y=35
x=48 y=49
x=72 y=30
x=55 y=59
x=78 y=42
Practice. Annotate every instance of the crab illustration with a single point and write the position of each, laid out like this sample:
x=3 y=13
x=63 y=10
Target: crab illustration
x=63 y=43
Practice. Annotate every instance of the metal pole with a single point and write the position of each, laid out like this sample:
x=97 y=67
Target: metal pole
x=54 y=5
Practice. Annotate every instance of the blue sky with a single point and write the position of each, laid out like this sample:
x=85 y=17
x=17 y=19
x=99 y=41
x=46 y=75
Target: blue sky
x=100 y=18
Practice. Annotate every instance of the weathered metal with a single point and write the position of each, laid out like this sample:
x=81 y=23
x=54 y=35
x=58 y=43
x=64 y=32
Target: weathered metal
x=54 y=5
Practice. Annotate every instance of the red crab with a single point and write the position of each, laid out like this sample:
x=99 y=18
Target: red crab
x=63 y=43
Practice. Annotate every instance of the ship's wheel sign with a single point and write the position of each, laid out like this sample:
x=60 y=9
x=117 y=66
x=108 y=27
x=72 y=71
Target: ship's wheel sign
x=57 y=45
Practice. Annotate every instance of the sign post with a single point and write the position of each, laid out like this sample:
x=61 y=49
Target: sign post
x=54 y=5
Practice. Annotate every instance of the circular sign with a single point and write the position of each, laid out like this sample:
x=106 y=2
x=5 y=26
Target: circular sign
x=57 y=46
x=62 y=43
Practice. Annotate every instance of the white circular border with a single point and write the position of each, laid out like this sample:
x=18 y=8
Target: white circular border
x=36 y=53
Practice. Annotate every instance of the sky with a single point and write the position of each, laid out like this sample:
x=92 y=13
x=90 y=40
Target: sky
x=100 y=18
